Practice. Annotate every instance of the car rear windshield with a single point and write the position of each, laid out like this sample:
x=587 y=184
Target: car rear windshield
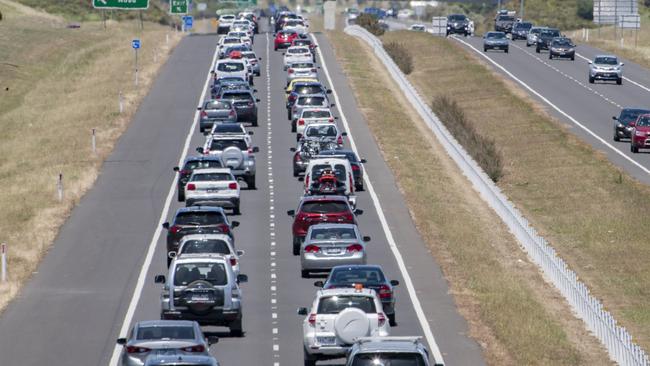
x=457 y=18
x=550 y=33
x=199 y=218
x=316 y=114
x=250 y=56
x=186 y=273
x=347 y=154
x=217 y=105
x=562 y=42
x=211 y=177
x=302 y=65
x=220 y=145
x=606 y=60
x=308 y=89
x=197 y=164
x=388 y=358
x=629 y=115
x=311 y=100
x=333 y=233
x=298 y=50
x=506 y=18
x=350 y=276
x=228 y=128
x=321 y=131
x=237 y=96
x=231 y=40
x=523 y=26
x=205 y=246
x=227 y=17
x=230 y=66
x=336 y=304
x=324 y=207
x=165 y=332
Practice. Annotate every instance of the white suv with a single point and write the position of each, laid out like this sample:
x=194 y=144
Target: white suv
x=205 y=289
x=338 y=317
x=213 y=187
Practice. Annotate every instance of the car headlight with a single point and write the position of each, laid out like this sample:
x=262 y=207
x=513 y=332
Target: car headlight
x=639 y=133
x=619 y=125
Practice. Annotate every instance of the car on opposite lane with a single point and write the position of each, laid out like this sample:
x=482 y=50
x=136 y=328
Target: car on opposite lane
x=533 y=35
x=622 y=128
x=496 y=41
x=640 y=133
x=457 y=24
x=606 y=67
x=562 y=47
x=330 y=245
x=504 y=23
x=545 y=37
x=520 y=30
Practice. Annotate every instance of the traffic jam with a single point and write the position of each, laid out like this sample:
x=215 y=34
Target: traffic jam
x=353 y=307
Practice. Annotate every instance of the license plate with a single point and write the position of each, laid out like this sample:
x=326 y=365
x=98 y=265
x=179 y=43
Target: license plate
x=213 y=190
x=333 y=250
x=326 y=340
x=562 y=53
x=200 y=298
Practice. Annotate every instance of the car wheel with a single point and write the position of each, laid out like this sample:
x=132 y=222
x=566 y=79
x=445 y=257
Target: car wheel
x=507 y=49
x=289 y=114
x=254 y=123
x=293 y=126
x=181 y=195
x=201 y=129
x=591 y=80
x=250 y=182
x=484 y=49
x=619 y=81
x=295 y=170
x=616 y=138
x=296 y=246
x=550 y=56
x=527 y=44
x=359 y=188
x=573 y=58
x=169 y=261
x=304 y=273
x=537 y=50
x=236 y=329
x=634 y=149
x=275 y=48
x=236 y=210
x=391 y=320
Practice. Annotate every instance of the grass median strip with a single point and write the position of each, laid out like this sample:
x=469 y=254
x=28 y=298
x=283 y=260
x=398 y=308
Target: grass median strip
x=515 y=316
x=57 y=84
x=592 y=212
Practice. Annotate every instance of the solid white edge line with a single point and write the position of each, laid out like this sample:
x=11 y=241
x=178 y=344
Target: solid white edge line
x=433 y=346
x=624 y=77
x=540 y=96
x=137 y=292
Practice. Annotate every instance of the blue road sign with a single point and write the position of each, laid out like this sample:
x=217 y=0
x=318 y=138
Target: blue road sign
x=135 y=44
x=188 y=20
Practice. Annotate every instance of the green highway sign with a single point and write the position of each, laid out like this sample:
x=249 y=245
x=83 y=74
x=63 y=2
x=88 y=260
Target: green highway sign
x=178 y=6
x=121 y=4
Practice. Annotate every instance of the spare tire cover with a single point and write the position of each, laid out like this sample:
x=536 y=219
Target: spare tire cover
x=232 y=157
x=203 y=289
x=351 y=324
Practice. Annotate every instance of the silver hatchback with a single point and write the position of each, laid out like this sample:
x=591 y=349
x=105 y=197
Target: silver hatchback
x=330 y=245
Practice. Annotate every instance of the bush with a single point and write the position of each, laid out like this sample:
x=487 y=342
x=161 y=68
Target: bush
x=585 y=9
x=370 y=23
x=401 y=55
x=483 y=150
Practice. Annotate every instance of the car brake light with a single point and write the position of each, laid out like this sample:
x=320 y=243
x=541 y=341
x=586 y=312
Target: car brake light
x=307 y=181
x=312 y=319
x=231 y=114
x=340 y=140
x=194 y=349
x=290 y=71
x=204 y=114
x=224 y=228
x=133 y=349
x=191 y=187
x=232 y=186
x=174 y=229
x=385 y=292
x=233 y=261
x=312 y=248
x=381 y=318
x=313 y=70
x=355 y=167
x=301 y=122
x=355 y=248
x=297 y=157
x=292 y=97
x=331 y=119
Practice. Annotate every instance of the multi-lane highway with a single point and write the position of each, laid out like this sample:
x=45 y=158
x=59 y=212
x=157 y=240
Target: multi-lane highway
x=563 y=87
x=98 y=277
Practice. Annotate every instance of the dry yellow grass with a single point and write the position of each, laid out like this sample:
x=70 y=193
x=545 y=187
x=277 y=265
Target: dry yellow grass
x=514 y=315
x=591 y=212
x=57 y=84
x=635 y=46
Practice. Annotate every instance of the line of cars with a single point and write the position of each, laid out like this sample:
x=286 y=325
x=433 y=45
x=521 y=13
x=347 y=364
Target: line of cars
x=202 y=285
x=354 y=308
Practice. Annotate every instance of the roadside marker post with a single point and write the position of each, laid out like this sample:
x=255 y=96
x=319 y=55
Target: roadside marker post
x=135 y=44
x=120 y=98
x=94 y=142
x=59 y=187
x=3 y=255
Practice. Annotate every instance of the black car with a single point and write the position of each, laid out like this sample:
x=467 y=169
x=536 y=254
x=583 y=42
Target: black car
x=245 y=104
x=457 y=24
x=627 y=115
x=545 y=38
x=370 y=276
x=520 y=30
x=504 y=23
x=355 y=162
x=197 y=220
x=218 y=84
x=191 y=163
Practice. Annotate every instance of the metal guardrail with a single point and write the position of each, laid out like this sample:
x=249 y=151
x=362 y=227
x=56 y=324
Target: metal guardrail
x=600 y=322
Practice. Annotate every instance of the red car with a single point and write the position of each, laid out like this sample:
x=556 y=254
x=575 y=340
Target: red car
x=640 y=135
x=284 y=38
x=314 y=210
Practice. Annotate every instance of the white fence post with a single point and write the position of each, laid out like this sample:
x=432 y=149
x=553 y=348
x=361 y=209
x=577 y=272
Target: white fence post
x=59 y=186
x=94 y=141
x=120 y=98
x=3 y=259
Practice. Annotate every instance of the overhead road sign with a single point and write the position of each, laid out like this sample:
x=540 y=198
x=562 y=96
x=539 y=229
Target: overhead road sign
x=121 y=4
x=178 y=6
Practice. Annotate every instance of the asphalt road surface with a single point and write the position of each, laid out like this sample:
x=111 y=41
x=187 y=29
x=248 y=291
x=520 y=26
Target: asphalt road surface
x=90 y=282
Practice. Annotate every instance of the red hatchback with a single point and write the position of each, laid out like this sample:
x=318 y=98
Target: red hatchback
x=284 y=38
x=640 y=135
x=314 y=210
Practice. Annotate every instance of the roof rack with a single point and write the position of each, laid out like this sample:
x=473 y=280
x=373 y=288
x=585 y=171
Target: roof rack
x=413 y=339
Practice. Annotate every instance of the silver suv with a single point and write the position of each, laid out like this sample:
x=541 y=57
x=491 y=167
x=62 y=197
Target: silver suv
x=203 y=288
x=235 y=153
x=404 y=351
x=606 y=67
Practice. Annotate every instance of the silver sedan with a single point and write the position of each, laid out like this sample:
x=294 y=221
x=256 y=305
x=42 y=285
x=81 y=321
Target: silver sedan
x=147 y=336
x=330 y=245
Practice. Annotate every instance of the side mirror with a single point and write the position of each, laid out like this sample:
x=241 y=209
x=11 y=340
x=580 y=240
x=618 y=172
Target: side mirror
x=589 y=62
x=198 y=108
x=212 y=72
x=165 y=225
x=250 y=133
x=242 y=278
x=176 y=168
x=171 y=255
x=366 y=239
x=199 y=150
x=121 y=341
x=291 y=212
x=159 y=279
x=240 y=253
x=332 y=105
x=615 y=118
x=213 y=340
x=259 y=58
x=283 y=53
x=363 y=161
x=301 y=179
x=256 y=149
x=287 y=92
x=318 y=67
x=234 y=224
x=254 y=90
x=622 y=64
x=319 y=284
x=336 y=118
x=358 y=212
x=344 y=133
x=329 y=91
x=302 y=311
x=292 y=149
x=394 y=282
x=257 y=100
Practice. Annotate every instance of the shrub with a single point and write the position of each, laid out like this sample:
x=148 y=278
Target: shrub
x=483 y=150
x=401 y=55
x=585 y=9
x=370 y=23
